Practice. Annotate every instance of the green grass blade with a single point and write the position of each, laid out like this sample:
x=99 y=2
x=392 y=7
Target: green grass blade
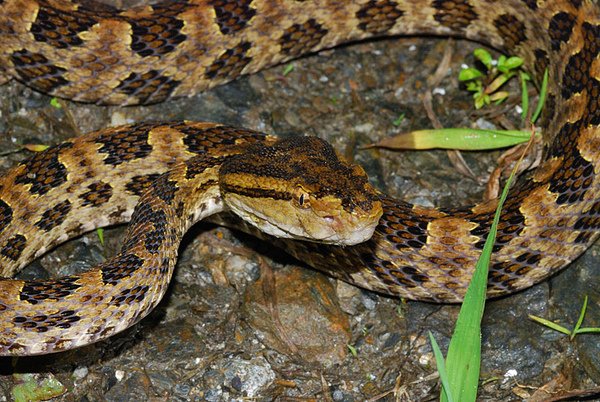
x=100 y=233
x=580 y=319
x=542 y=100
x=550 y=324
x=464 y=352
x=588 y=331
x=524 y=94
x=441 y=368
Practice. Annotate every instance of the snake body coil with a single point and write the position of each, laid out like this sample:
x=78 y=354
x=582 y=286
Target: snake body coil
x=94 y=53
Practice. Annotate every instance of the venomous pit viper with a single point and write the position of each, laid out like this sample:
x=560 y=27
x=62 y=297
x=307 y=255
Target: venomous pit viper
x=94 y=53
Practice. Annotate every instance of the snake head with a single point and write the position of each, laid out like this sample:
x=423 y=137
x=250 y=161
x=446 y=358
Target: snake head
x=298 y=188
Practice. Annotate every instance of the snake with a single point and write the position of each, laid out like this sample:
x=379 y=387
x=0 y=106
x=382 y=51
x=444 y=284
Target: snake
x=143 y=173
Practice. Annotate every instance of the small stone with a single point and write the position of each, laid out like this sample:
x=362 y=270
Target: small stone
x=80 y=372
x=301 y=317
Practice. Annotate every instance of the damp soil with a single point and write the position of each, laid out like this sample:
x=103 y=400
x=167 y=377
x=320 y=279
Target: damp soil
x=242 y=321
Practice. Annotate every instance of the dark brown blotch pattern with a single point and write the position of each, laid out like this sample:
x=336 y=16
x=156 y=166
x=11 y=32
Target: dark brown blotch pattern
x=35 y=70
x=34 y=292
x=378 y=16
x=576 y=175
x=149 y=87
x=232 y=15
x=512 y=220
x=6 y=214
x=560 y=29
x=42 y=323
x=230 y=64
x=139 y=184
x=511 y=29
x=392 y=275
x=501 y=272
x=588 y=224
x=549 y=110
x=54 y=216
x=541 y=62
x=203 y=140
x=130 y=296
x=44 y=171
x=13 y=248
x=155 y=227
x=199 y=164
x=164 y=188
x=98 y=193
x=592 y=111
x=577 y=75
x=120 y=267
x=156 y=237
x=400 y=226
x=161 y=33
x=455 y=14
x=125 y=144
x=302 y=38
x=61 y=29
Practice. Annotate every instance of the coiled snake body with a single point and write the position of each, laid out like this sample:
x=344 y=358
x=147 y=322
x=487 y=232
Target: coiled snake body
x=94 y=53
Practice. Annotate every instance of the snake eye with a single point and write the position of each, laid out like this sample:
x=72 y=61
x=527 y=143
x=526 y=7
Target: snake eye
x=302 y=198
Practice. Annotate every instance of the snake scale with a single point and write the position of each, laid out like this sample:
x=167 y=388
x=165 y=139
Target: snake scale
x=91 y=52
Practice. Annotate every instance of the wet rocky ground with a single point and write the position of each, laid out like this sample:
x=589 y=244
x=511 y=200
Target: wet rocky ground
x=242 y=321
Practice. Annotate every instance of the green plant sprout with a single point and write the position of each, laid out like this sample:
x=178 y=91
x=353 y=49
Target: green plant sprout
x=498 y=71
x=576 y=329
x=288 y=69
x=397 y=121
x=100 y=233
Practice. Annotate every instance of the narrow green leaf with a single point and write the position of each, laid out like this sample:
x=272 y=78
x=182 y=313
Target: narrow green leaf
x=588 y=330
x=581 y=316
x=496 y=84
x=441 y=368
x=100 y=233
x=352 y=350
x=288 y=69
x=465 y=139
x=499 y=96
x=524 y=78
x=550 y=324
x=464 y=353
x=542 y=100
x=35 y=147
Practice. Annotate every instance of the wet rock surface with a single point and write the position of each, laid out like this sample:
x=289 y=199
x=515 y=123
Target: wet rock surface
x=231 y=329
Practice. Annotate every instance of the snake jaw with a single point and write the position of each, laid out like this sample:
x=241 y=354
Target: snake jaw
x=348 y=227
x=324 y=222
